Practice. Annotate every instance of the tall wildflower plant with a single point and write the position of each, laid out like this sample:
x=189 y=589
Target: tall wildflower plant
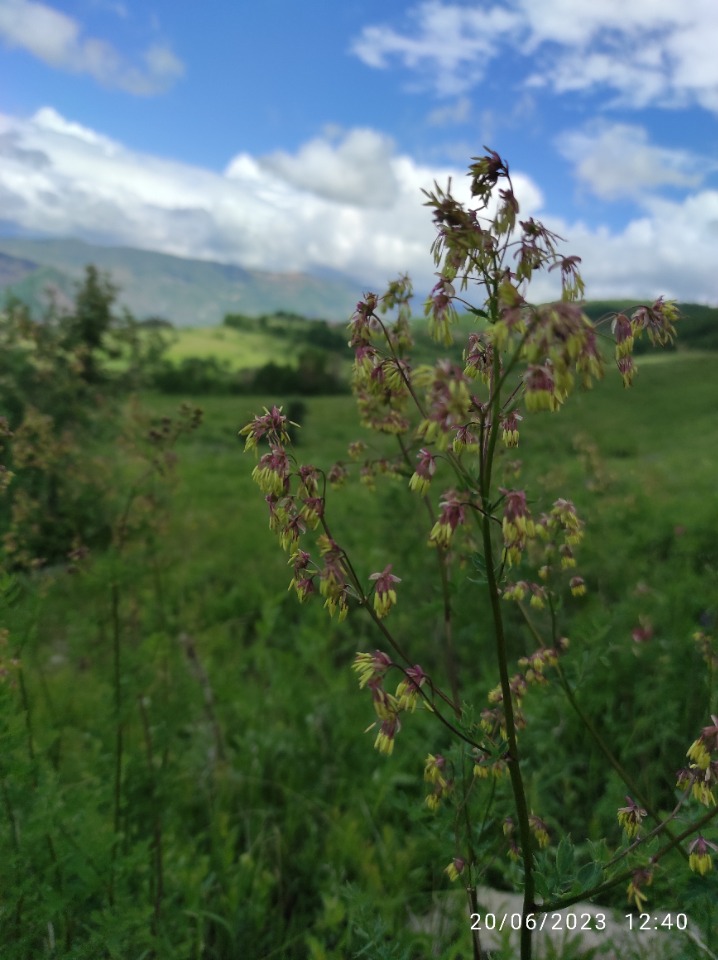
x=453 y=424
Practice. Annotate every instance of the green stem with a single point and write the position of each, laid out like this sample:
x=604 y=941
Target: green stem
x=117 y=800
x=597 y=891
x=517 y=784
x=156 y=845
x=591 y=728
x=442 y=562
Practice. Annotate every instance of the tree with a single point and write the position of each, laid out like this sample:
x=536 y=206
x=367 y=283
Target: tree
x=86 y=327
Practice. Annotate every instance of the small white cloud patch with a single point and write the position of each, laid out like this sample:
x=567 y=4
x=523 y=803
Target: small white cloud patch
x=356 y=169
x=617 y=160
x=59 y=41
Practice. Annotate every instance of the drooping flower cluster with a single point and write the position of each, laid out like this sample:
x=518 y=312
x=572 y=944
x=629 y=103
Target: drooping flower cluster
x=630 y=817
x=640 y=879
x=700 y=859
x=448 y=402
x=455 y=868
x=452 y=514
x=271 y=424
x=539 y=830
x=509 y=828
x=384 y=592
x=493 y=718
x=333 y=585
x=371 y=669
x=657 y=322
x=295 y=502
x=558 y=533
x=517 y=526
x=381 y=383
x=701 y=776
x=435 y=774
x=425 y=469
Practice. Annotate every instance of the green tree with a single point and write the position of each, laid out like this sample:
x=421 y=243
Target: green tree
x=86 y=328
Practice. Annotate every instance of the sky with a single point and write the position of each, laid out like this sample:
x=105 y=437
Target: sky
x=298 y=136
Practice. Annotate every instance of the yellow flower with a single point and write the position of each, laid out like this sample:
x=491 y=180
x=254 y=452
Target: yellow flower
x=699 y=859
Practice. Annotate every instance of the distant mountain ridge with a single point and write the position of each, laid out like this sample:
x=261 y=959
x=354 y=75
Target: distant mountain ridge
x=189 y=293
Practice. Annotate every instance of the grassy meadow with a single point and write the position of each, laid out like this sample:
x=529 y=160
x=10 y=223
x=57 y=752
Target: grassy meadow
x=185 y=771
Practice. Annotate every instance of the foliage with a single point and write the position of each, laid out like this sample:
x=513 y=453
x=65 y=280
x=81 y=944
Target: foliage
x=59 y=392
x=183 y=771
x=297 y=842
x=523 y=359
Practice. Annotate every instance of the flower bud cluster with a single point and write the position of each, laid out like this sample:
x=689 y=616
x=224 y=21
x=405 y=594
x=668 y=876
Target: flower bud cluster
x=452 y=514
x=630 y=817
x=701 y=776
x=493 y=719
x=455 y=868
x=292 y=513
x=558 y=532
x=435 y=774
x=479 y=358
x=657 y=322
x=371 y=669
x=381 y=383
x=700 y=859
x=640 y=879
x=517 y=525
x=487 y=764
x=448 y=403
x=384 y=592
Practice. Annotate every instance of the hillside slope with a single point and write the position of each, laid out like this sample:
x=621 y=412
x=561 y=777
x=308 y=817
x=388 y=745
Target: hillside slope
x=194 y=293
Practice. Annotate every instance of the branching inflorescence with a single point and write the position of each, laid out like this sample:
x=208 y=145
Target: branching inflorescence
x=450 y=421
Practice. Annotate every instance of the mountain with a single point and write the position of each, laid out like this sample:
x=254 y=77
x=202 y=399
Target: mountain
x=190 y=293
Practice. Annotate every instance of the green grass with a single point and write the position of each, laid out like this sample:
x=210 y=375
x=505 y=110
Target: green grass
x=283 y=833
x=240 y=349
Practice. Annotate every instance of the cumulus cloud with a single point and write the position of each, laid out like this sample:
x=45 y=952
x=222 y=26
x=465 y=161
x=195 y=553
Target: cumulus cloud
x=647 y=51
x=356 y=169
x=59 y=40
x=669 y=251
x=60 y=178
x=617 y=160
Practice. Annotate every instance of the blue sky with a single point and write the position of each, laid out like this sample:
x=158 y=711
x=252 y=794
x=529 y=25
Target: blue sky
x=281 y=135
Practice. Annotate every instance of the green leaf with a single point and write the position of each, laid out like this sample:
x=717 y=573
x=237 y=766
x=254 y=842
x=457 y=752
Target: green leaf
x=543 y=887
x=565 y=863
x=480 y=566
x=599 y=851
x=589 y=875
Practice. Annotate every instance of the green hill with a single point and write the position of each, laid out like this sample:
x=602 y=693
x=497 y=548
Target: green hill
x=187 y=292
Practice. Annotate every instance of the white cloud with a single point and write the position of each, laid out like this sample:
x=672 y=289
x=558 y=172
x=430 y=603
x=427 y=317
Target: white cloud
x=668 y=251
x=58 y=177
x=617 y=160
x=355 y=170
x=647 y=51
x=58 y=40
x=453 y=113
x=452 y=43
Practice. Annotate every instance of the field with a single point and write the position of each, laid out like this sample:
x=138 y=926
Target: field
x=185 y=771
x=241 y=350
